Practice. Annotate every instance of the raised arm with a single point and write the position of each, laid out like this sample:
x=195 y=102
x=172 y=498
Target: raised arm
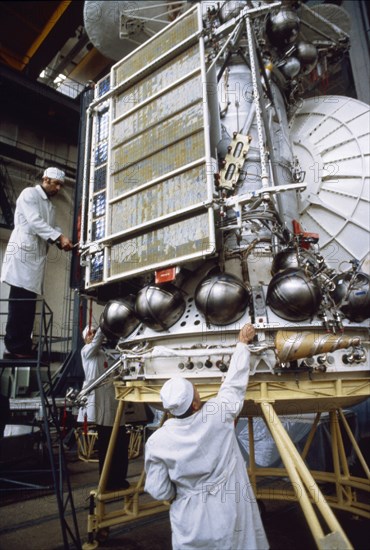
x=235 y=384
x=92 y=349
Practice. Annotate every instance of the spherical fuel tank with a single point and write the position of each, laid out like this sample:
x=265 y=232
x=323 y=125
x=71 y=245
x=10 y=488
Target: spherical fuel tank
x=293 y=296
x=159 y=306
x=291 y=67
x=352 y=295
x=290 y=257
x=308 y=55
x=118 y=318
x=284 y=259
x=282 y=28
x=222 y=298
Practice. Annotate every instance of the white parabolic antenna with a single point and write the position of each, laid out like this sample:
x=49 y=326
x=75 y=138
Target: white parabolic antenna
x=331 y=139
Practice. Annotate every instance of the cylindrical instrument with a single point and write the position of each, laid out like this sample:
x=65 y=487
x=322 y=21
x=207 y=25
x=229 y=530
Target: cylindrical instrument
x=292 y=345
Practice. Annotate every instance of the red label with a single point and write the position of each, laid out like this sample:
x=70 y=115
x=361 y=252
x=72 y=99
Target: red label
x=165 y=275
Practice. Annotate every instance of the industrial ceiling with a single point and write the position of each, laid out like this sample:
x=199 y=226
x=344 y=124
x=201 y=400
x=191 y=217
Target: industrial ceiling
x=48 y=39
x=47 y=57
x=44 y=50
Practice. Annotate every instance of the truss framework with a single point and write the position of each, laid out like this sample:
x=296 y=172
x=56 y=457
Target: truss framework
x=265 y=398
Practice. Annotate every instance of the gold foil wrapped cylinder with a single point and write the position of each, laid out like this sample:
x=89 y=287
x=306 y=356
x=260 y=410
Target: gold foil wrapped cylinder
x=292 y=345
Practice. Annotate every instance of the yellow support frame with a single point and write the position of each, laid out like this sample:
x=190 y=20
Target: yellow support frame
x=290 y=394
x=306 y=490
x=136 y=440
x=266 y=397
x=99 y=519
x=86 y=444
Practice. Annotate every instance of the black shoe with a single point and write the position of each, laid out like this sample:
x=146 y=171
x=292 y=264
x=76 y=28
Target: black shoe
x=11 y=355
x=118 y=486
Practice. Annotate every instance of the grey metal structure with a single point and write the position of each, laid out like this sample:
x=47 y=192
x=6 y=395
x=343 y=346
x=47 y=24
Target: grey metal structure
x=204 y=162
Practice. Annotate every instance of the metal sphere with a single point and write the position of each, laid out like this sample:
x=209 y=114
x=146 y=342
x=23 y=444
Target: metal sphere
x=284 y=259
x=159 y=306
x=118 y=318
x=282 y=28
x=293 y=296
x=352 y=294
x=291 y=67
x=222 y=298
x=307 y=55
x=289 y=257
x=306 y=52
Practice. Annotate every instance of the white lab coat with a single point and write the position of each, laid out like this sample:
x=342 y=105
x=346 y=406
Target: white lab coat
x=101 y=403
x=25 y=257
x=197 y=460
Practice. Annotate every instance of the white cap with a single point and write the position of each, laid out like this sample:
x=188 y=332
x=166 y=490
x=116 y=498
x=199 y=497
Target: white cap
x=54 y=173
x=86 y=331
x=177 y=395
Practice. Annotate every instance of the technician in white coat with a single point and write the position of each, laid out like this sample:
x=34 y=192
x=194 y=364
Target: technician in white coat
x=194 y=461
x=25 y=259
x=101 y=408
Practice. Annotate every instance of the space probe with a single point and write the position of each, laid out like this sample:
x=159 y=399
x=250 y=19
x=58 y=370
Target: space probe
x=215 y=195
x=222 y=185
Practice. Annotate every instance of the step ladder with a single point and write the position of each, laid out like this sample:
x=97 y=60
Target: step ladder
x=48 y=407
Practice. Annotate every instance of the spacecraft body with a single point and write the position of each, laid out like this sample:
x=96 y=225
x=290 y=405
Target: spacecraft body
x=222 y=186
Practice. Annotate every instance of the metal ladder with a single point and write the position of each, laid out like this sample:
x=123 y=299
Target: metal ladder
x=51 y=426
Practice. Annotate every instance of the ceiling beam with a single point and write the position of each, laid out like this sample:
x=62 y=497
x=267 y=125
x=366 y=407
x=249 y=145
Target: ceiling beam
x=53 y=37
x=50 y=24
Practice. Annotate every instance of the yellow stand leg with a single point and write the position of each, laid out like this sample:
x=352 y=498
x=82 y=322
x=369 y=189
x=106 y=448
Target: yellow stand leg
x=99 y=519
x=305 y=487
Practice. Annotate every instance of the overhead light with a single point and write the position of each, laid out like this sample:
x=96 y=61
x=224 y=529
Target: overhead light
x=59 y=79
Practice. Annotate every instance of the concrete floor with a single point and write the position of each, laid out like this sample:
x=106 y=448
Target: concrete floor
x=29 y=520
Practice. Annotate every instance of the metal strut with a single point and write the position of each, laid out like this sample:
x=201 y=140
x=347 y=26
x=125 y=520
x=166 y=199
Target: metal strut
x=305 y=487
x=99 y=519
